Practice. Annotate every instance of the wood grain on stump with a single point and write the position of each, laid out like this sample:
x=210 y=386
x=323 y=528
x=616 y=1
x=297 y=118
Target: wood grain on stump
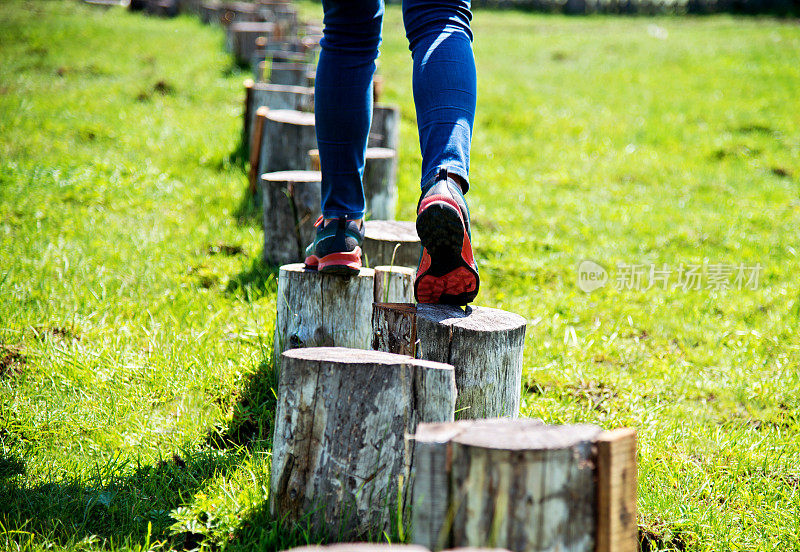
x=339 y=455
x=394 y=328
x=385 y=129
x=391 y=242
x=291 y=205
x=617 y=530
x=287 y=73
x=323 y=310
x=484 y=345
x=394 y=284
x=515 y=484
x=288 y=136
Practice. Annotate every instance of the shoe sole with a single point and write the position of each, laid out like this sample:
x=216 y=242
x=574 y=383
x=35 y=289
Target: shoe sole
x=446 y=274
x=347 y=263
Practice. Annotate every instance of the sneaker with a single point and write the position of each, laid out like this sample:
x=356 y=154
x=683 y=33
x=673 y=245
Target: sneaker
x=447 y=271
x=336 y=248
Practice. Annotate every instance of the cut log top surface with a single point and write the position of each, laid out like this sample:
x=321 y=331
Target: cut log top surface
x=283 y=88
x=293 y=176
x=479 y=319
x=380 y=153
x=300 y=268
x=360 y=356
x=291 y=117
x=361 y=547
x=506 y=434
x=391 y=230
x=251 y=27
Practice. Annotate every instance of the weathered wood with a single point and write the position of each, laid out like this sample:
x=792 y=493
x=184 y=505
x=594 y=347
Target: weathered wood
x=484 y=345
x=323 y=310
x=516 y=484
x=241 y=39
x=394 y=328
x=286 y=73
x=277 y=96
x=379 y=182
x=617 y=529
x=255 y=148
x=211 y=12
x=391 y=242
x=394 y=284
x=247 y=115
x=385 y=129
x=288 y=136
x=291 y=205
x=361 y=547
x=340 y=458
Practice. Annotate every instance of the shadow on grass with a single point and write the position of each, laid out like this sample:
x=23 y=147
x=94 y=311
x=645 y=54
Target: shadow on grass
x=248 y=212
x=256 y=281
x=110 y=509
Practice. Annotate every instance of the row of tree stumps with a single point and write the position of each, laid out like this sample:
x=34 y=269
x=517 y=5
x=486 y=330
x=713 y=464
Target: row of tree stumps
x=392 y=417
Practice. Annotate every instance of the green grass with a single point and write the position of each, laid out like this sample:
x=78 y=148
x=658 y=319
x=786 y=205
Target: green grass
x=136 y=321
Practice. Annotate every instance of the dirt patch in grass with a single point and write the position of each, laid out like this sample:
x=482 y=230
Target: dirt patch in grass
x=12 y=361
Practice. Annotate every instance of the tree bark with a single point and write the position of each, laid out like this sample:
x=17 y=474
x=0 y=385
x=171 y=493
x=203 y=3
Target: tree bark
x=485 y=346
x=339 y=452
x=394 y=284
x=288 y=74
x=380 y=183
x=514 y=484
x=255 y=147
x=394 y=328
x=323 y=310
x=276 y=96
x=391 y=243
x=617 y=530
x=288 y=136
x=385 y=129
x=291 y=201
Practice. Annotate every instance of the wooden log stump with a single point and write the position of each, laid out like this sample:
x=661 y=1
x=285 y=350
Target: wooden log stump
x=385 y=129
x=241 y=39
x=394 y=328
x=617 y=530
x=291 y=205
x=394 y=284
x=339 y=455
x=287 y=73
x=211 y=12
x=382 y=547
x=484 y=345
x=323 y=310
x=516 y=484
x=255 y=148
x=379 y=181
x=274 y=96
x=391 y=242
x=288 y=136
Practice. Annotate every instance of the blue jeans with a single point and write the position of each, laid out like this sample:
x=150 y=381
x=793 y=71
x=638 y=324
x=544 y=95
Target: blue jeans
x=444 y=84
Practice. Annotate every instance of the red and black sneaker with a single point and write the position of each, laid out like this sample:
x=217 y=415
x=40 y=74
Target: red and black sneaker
x=336 y=248
x=447 y=271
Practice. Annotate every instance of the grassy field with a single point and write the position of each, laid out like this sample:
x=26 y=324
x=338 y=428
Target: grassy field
x=136 y=320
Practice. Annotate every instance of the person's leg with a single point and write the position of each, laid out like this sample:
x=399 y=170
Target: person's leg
x=343 y=110
x=444 y=78
x=343 y=101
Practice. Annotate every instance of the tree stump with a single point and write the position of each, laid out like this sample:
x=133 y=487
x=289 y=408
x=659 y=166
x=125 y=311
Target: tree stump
x=394 y=328
x=255 y=148
x=379 y=181
x=391 y=242
x=274 y=96
x=288 y=136
x=484 y=345
x=291 y=201
x=394 y=284
x=382 y=547
x=339 y=453
x=516 y=484
x=323 y=310
x=287 y=73
x=211 y=12
x=241 y=41
x=385 y=129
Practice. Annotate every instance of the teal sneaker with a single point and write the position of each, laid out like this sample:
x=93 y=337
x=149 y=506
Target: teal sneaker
x=336 y=248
